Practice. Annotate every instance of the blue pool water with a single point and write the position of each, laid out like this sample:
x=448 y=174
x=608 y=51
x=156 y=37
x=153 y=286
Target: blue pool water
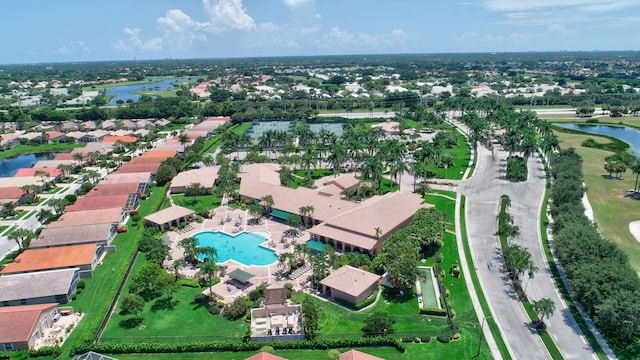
x=244 y=248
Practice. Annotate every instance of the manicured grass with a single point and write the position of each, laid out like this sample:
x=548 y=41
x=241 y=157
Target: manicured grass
x=97 y=293
x=201 y=201
x=3 y=228
x=461 y=155
x=36 y=149
x=160 y=93
x=633 y=121
x=612 y=210
x=182 y=319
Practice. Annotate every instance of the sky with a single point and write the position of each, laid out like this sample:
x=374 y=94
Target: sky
x=37 y=31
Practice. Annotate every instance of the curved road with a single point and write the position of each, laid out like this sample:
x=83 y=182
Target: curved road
x=483 y=191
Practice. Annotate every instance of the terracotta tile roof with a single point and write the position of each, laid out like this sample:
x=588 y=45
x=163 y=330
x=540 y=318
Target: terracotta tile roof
x=11 y=193
x=166 y=215
x=53 y=172
x=126 y=139
x=357 y=355
x=384 y=212
x=205 y=176
x=64 y=156
x=113 y=189
x=17 y=323
x=350 y=280
x=346 y=181
x=55 y=134
x=87 y=217
x=99 y=202
x=160 y=153
x=35 y=284
x=134 y=168
x=265 y=356
x=138 y=177
x=73 y=235
x=141 y=160
x=51 y=258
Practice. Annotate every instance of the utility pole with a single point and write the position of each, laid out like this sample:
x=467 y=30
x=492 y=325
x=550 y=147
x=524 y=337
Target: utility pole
x=481 y=333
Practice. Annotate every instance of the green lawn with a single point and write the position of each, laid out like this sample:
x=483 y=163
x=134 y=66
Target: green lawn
x=99 y=289
x=612 y=210
x=36 y=149
x=461 y=156
x=202 y=201
x=184 y=318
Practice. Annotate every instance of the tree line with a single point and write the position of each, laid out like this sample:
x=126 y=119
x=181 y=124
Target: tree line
x=598 y=271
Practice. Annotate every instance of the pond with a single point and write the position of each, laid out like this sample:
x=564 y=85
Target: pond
x=127 y=92
x=629 y=135
x=9 y=167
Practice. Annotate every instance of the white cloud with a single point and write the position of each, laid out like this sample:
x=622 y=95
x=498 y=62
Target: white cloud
x=338 y=38
x=179 y=30
x=589 y=5
x=227 y=15
x=294 y=3
x=135 y=42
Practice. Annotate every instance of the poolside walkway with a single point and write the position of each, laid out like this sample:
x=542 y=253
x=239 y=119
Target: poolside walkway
x=233 y=221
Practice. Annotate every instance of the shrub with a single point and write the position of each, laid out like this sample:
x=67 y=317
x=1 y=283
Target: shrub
x=188 y=283
x=433 y=311
x=201 y=298
x=425 y=339
x=71 y=198
x=592 y=121
x=237 y=309
x=268 y=349
x=591 y=143
x=81 y=284
x=407 y=339
x=214 y=309
x=334 y=354
x=444 y=338
x=135 y=218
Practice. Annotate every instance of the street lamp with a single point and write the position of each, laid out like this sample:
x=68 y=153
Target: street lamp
x=481 y=333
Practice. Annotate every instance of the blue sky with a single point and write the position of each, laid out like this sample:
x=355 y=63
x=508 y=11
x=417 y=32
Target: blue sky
x=80 y=30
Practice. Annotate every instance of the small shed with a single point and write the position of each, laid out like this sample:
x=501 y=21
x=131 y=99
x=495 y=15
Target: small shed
x=241 y=276
x=350 y=284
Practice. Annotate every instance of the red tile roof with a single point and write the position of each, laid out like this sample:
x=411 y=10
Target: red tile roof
x=51 y=258
x=53 y=172
x=113 y=189
x=98 y=202
x=265 y=356
x=126 y=139
x=357 y=355
x=135 y=168
x=18 y=322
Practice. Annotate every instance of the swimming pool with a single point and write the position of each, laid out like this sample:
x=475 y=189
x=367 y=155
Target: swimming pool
x=244 y=248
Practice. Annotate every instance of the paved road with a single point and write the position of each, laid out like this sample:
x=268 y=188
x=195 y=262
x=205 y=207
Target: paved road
x=483 y=191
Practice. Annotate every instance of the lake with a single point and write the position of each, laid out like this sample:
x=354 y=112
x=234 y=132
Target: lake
x=627 y=134
x=126 y=92
x=10 y=167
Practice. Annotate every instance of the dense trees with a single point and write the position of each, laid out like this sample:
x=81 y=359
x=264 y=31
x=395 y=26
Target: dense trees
x=598 y=271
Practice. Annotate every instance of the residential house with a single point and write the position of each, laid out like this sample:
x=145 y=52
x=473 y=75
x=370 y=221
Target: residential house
x=143 y=179
x=102 y=202
x=115 y=215
x=170 y=217
x=42 y=287
x=101 y=234
x=83 y=257
x=22 y=326
x=206 y=177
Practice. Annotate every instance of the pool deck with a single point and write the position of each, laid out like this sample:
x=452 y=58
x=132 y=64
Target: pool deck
x=233 y=221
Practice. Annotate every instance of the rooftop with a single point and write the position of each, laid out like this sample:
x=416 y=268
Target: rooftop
x=51 y=258
x=88 y=217
x=36 y=284
x=138 y=177
x=166 y=215
x=99 y=202
x=350 y=280
x=72 y=235
x=113 y=189
x=18 y=322
x=205 y=176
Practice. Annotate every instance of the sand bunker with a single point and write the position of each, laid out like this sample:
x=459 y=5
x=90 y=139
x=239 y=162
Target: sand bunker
x=634 y=227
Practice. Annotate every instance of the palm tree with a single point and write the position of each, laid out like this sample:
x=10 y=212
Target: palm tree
x=309 y=158
x=78 y=157
x=43 y=174
x=544 y=308
x=66 y=169
x=194 y=189
x=268 y=203
x=177 y=264
x=58 y=205
x=190 y=247
x=210 y=253
x=287 y=259
x=93 y=175
x=32 y=192
x=209 y=268
x=635 y=168
x=22 y=237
